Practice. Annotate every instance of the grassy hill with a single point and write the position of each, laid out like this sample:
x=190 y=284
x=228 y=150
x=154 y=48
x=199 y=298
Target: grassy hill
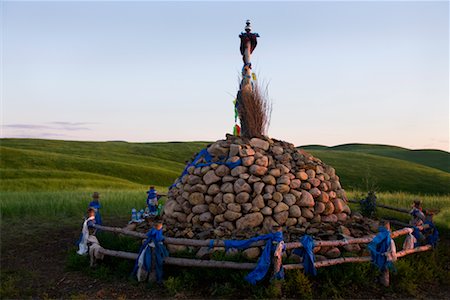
x=29 y=164
x=432 y=158
x=46 y=165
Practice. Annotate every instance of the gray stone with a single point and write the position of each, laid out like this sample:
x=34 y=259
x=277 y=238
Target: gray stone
x=272 y=203
x=210 y=177
x=193 y=179
x=234 y=207
x=213 y=189
x=246 y=207
x=242 y=197
x=275 y=172
x=291 y=222
x=228 y=198
x=329 y=218
x=277 y=150
x=281 y=217
x=319 y=207
x=281 y=207
x=234 y=149
x=277 y=197
x=258 y=201
x=284 y=179
x=213 y=208
x=206 y=217
x=314 y=182
x=269 y=179
x=295 y=183
x=248 y=161
x=306 y=200
x=259 y=143
x=263 y=161
x=241 y=185
x=231 y=215
x=249 y=221
x=247 y=151
x=307 y=213
x=252 y=253
x=236 y=171
x=295 y=211
x=227 y=187
x=283 y=188
x=201 y=188
x=289 y=199
x=267 y=211
x=218 y=198
x=228 y=178
x=258 y=170
x=216 y=150
x=315 y=192
x=222 y=170
x=199 y=209
x=252 y=179
x=258 y=187
x=196 y=198
x=311 y=173
x=269 y=189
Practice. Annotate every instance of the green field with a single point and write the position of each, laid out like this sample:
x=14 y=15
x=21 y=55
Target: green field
x=46 y=165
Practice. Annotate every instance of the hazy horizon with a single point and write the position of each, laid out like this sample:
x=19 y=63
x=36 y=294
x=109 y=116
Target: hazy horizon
x=339 y=72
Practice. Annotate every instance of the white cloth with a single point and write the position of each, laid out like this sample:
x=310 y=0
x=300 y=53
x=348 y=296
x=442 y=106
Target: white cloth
x=83 y=247
x=141 y=274
x=410 y=240
x=391 y=254
x=94 y=249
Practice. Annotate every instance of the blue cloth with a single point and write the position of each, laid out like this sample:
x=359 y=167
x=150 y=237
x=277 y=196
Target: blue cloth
x=433 y=234
x=161 y=252
x=378 y=246
x=151 y=195
x=307 y=253
x=265 y=259
x=208 y=161
x=98 y=218
x=417 y=235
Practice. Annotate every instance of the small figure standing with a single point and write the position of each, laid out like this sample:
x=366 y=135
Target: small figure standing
x=87 y=230
x=95 y=204
x=152 y=201
x=418 y=216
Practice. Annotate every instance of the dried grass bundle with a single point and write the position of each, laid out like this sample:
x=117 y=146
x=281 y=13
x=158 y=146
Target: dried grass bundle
x=254 y=111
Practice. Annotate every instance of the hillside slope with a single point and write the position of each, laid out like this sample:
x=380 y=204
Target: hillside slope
x=432 y=158
x=42 y=165
x=367 y=171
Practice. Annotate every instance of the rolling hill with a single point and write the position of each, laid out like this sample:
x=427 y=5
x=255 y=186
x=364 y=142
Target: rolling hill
x=437 y=159
x=45 y=165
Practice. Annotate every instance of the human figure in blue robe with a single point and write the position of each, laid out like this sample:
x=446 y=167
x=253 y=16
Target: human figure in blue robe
x=152 y=201
x=95 y=204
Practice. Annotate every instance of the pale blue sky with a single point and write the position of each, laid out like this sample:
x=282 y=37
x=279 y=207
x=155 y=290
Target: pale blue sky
x=339 y=72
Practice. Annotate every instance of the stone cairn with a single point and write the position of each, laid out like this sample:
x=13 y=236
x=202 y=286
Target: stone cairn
x=244 y=185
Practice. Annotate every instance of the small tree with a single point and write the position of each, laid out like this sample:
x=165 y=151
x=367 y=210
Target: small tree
x=369 y=205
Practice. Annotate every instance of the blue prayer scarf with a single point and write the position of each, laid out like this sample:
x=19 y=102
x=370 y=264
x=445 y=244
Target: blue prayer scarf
x=378 y=246
x=161 y=252
x=307 y=253
x=265 y=259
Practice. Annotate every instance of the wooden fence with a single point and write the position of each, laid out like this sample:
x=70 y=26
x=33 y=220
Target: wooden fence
x=190 y=262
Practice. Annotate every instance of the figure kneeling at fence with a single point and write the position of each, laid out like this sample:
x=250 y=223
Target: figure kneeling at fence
x=151 y=255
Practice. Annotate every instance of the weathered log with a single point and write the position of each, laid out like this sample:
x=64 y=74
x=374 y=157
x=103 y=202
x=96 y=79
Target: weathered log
x=399 y=209
x=414 y=250
x=186 y=262
x=330 y=262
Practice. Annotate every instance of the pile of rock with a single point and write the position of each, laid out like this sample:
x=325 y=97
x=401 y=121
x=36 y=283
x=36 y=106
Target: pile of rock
x=274 y=183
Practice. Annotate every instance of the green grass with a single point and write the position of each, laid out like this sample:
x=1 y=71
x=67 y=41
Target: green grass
x=52 y=165
x=432 y=158
x=359 y=171
x=69 y=204
x=43 y=165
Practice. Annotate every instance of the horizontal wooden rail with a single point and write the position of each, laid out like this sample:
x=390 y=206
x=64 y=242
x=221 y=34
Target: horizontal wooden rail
x=221 y=243
x=399 y=209
x=187 y=262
